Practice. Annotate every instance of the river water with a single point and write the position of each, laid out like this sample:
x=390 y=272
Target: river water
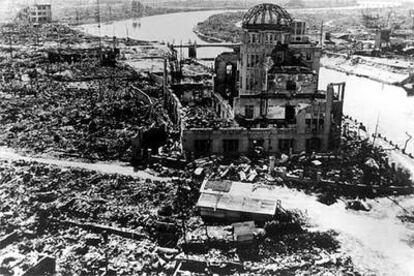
x=377 y=241
x=175 y=28
x=371 y=102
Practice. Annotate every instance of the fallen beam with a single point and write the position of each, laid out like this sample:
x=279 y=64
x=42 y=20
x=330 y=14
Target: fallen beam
x=8 y=239
x=98 y=228
x=46 y=266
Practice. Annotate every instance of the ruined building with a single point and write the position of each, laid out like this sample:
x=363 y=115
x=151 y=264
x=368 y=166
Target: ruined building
x=36 y=14
x=271 y=85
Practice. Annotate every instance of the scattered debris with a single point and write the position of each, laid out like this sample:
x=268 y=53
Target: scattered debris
x=358 y=205
x=90 y=112
x=204 y=117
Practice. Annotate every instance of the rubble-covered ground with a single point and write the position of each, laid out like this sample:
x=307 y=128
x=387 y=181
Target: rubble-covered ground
x=98 y=122
x=77 y=108
x=44 y=35
x=36 y=199
x=71 y=214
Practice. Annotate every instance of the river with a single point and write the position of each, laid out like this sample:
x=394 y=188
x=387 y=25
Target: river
x=377 y=241
x=371 y=102
x=174 y=28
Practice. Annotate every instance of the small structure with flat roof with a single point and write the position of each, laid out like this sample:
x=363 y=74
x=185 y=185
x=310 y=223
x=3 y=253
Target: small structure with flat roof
x=234 y=201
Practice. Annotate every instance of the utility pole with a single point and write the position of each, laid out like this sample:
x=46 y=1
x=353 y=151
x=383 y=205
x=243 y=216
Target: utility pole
x=412 y=26
x=98 y=17
x=376 y=130
x=11 y=45
x=321 y=37
x=59 y=50
x=165 y=77
x=98 y=14
x=77 y=17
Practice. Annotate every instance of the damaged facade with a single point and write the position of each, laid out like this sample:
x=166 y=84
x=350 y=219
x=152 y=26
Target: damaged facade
x=271 y=88
x=37 y=14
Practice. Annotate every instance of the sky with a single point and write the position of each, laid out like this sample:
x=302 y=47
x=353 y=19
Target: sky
x=9 y=8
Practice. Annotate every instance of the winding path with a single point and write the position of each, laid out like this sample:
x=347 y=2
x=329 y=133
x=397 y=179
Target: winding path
x=101 y=167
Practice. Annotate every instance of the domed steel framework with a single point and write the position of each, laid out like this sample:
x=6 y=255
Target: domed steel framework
x=267 y=17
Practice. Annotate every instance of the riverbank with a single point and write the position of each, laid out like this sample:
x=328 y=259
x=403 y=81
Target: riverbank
x=221 y=27
x=123 y=13
x=375 y=69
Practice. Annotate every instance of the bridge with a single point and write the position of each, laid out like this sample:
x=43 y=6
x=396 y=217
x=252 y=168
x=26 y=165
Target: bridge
x=192 y=47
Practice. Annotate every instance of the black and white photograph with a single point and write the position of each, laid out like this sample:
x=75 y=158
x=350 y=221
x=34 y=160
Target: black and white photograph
x=206 y=137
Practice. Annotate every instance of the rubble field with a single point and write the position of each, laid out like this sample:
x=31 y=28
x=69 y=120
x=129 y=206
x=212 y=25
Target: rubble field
x=55 y=52
x=91 y=223
x=43 y=202
x=97 y=122
x=25 y=35
x=68 y=104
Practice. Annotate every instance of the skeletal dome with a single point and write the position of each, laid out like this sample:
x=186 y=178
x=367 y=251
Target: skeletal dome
x=267 y=17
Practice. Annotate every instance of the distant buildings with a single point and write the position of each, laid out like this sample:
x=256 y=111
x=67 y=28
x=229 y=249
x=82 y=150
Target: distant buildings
x=320 y=3
x=271 y=87
x=36 y=14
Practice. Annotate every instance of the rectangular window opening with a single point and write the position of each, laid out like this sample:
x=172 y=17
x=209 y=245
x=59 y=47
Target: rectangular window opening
x=249 y=111
x=230 y=146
